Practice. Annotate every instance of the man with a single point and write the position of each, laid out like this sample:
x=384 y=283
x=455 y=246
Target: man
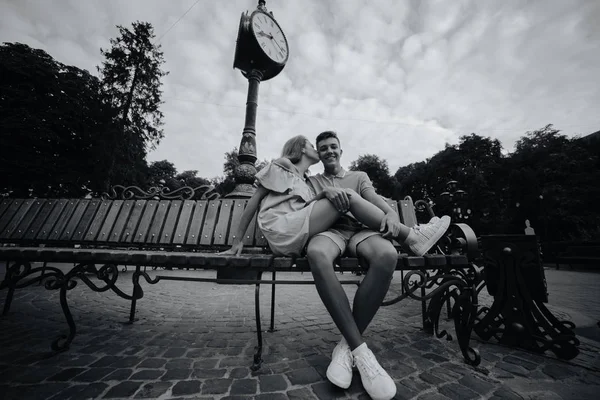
x=373 y=248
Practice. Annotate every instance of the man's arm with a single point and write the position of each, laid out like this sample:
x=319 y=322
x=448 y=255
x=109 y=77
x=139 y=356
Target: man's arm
x=390 y=225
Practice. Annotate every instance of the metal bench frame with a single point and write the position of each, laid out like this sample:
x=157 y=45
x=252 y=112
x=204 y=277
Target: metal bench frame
x=158 y=229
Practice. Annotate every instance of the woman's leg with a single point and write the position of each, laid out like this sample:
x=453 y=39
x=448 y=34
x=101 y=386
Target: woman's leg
x=324 y=215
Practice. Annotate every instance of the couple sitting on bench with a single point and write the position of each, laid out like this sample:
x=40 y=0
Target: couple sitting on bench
x=326 y=215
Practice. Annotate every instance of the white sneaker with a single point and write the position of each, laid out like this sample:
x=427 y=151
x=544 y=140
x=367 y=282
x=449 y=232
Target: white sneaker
x=423 y=237
x=339 y=371
x=378 y=384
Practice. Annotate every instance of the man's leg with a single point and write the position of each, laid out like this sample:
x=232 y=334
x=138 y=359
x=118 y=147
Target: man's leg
x=321 y=254
x=381 y=256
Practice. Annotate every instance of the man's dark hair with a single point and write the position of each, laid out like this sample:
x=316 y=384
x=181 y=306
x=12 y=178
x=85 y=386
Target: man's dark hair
x=326 y=135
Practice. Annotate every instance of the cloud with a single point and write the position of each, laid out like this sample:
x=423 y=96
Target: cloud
x=398 y=79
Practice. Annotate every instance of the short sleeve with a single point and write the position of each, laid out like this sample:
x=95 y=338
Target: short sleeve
x=364 y=183
x=275 y=178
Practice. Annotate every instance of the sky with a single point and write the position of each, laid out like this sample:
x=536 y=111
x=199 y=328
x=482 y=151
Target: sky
x=398 y=79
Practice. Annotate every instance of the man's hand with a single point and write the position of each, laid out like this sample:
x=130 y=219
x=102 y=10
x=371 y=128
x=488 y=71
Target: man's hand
x=390 y=225
x=338 y=197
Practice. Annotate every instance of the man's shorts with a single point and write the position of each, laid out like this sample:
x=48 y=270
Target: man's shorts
x=348 y=240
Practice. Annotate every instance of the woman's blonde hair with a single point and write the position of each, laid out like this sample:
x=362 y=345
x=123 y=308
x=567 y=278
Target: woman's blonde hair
x=292 y=149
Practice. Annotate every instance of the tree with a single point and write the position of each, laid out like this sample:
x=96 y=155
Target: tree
x=378 y=172
x=131 y=80
x=52 y=125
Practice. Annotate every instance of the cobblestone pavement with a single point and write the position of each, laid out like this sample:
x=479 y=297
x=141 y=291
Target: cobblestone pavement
x=196 y=340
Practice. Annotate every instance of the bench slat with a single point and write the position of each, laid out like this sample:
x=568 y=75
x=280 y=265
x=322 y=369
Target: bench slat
x=220 y=235
x=198 y=216
x=407 y=213
x=74 y=220
x=133 y=221
x=94 y=230
x=11 y=215
x=236 y=214
x=40 y=219
x=4 y=206
x=21 y=229
x=54 y=216
x=209 y=222
x=109 y=221
x=157 y=222
x=59 y=227
x=250 y=235
x=166 y=236
x=146 y=219
x=259 y=237
x=116 y=234
x=183 y=222
x=86 y=220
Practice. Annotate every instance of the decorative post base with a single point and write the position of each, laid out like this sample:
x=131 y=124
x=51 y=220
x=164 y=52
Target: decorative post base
x=518 y=316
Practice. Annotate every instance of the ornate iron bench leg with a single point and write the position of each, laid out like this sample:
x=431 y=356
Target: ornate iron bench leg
x=258 y=353
x=138 y=293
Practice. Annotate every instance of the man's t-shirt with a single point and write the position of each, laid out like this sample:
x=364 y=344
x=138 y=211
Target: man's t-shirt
x=356 y=180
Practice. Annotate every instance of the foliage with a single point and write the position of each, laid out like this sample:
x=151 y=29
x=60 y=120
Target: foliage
x=378 y=172
x=131 y=80
x=549 y=179
x=53 y=124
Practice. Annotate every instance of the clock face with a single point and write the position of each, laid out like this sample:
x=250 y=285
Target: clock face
x=270 y=37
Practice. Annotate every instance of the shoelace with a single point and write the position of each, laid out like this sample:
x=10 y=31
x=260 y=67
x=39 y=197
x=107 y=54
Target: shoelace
x=368 y=368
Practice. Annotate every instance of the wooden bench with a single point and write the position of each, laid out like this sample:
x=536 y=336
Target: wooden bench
x=99 y=235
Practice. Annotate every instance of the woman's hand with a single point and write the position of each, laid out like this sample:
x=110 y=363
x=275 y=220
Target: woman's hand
x=235 y=250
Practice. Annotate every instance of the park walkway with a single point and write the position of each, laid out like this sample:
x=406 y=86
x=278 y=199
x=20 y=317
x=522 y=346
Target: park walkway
x=195 y=341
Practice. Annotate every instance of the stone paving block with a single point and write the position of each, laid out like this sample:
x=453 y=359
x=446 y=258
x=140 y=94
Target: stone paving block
x=78 y=392
x=185 y=388
x=176 y=374
x=529 y=365
x=67 y=374
x=272 y=383
x=147 y=374
x=477 y=384
x=238 y=373
x=301 y=394
x=204 y=373
x=328 y=391
x=506 y=393
x=179 y=363
x=512 y=368
x=34 y=375
x=153 y=390
x=271 y=396
x=152 y=363
x=556 y=371
x=122 y=389
x=93 y=374
x=105 y=361
x=34 y=392
x=126 y=362
x=303 y=376
x=243 y=387
x=456 y=391
x=174 y=352
x=120 y=374
x=432 y=396
x=415 y=384
x=216 y=386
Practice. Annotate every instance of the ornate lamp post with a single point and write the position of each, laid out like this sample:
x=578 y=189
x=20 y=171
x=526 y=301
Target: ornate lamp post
x=261 y=52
